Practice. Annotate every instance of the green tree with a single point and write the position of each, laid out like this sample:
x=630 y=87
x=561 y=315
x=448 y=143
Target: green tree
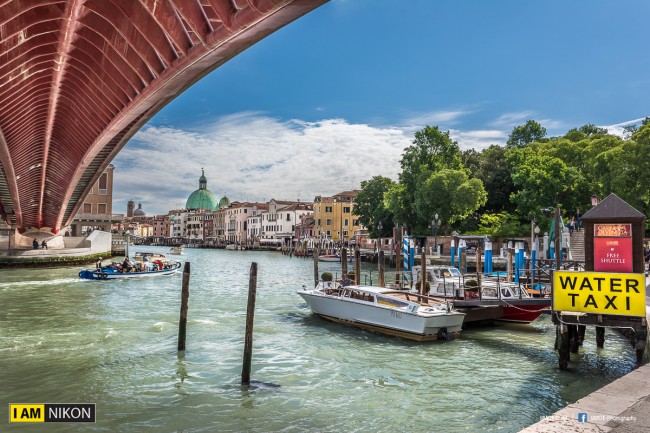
x=495 y=173
x=591 y=129
x=451 y=194
x=525 y=134
x=369 y=206
x=502 y=225
x=432 y=150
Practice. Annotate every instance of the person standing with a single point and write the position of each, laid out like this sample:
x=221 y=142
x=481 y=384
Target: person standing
x=578 y=217
x=44 y=244
x=35 y=244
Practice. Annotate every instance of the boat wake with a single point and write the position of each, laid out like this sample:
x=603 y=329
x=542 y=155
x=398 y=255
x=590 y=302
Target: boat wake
x=54 y=282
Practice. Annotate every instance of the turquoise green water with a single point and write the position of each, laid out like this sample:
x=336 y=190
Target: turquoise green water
x=113 y=343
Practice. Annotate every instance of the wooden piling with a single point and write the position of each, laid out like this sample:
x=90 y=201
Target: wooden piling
x=479 y=271
x=423 y=261
x=357 y=265
x=250 y=316
x=344 y=262
x=509 y=266
x=398 y=255
x=316 y=253
x=381 y=281
x=185 y=296
x=600 y=337
x=562 y=345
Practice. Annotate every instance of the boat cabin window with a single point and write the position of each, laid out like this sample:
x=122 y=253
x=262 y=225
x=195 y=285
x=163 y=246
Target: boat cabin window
x=360 y=296
x=391 y=302
x=505 y=293
x=490 y=291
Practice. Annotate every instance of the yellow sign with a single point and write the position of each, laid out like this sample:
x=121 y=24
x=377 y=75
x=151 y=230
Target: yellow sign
x=599 y=292
x=26 y=413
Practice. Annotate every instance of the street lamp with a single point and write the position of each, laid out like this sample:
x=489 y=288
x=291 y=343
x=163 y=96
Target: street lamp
x=435 y=223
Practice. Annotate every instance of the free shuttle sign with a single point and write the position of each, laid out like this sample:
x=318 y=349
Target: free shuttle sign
x=599 y=293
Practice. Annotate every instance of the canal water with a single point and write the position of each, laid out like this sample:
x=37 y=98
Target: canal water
x=113 y=343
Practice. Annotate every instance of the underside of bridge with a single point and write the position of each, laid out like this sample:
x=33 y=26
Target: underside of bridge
x=79 y=77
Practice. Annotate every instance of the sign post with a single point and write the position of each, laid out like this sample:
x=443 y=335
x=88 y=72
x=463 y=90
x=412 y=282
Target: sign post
x=611 y=292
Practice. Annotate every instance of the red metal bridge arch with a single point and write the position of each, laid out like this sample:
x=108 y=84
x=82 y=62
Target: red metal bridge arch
x=79 y=77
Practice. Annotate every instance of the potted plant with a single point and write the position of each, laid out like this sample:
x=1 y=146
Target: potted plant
x=326 y=276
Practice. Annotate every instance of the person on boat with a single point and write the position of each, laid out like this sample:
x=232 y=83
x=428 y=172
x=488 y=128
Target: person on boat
x=346 y=281
x=127 y=266
x=98 y=265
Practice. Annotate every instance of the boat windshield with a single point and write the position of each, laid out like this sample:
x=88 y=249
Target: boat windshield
x=359 y=295
x=391 y=302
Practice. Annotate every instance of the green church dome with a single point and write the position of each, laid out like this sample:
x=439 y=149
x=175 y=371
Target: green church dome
x=202 y=198
x=224 y=202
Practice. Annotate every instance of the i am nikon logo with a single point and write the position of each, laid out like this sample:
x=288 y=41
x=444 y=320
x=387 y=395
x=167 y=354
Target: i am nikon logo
x=52 y=412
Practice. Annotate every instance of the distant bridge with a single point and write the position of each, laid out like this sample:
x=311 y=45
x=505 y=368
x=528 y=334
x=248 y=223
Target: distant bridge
x=79 y=77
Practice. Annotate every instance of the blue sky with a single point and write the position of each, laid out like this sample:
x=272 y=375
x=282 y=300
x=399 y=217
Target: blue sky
x=333 y=98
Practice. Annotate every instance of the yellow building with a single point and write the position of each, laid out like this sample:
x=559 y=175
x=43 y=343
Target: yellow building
x=334 y=216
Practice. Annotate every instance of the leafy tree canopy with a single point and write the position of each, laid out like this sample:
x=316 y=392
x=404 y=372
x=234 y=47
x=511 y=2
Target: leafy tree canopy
x=525 y=134
x=369 y=205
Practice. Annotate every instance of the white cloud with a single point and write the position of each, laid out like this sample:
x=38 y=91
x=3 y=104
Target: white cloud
x=478 y=139
x=250 y=156
x=510 y=120
x=617 y=128
x=443 y=119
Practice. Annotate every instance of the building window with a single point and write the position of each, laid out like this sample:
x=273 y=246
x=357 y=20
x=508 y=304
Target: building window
x=288 y=217
x=88 y=208
x=328 y=222
x=346 y=209
x=103 y=184
x=328 y=233
x=345 y=222
x=355 y=222
x=328 y=209
x=345 y=233
x=101 y=208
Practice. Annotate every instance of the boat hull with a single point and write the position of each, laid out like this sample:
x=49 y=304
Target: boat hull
x=113 y=274
x=382 y=319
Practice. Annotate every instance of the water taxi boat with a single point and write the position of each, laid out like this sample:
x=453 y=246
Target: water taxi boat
x=149 y=256
x=333 y=258
x=519 y=305
x=115 y=272
x=392 y=312
x=177 y=250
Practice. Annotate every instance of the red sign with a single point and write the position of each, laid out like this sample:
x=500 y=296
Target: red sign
x=613 y=248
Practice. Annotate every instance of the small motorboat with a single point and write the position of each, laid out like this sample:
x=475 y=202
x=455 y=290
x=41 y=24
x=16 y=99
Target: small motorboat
x=333 y=258
x=518 y=304
x=392 y=312
x=177 y=250
x=149 y=256
x=114 y=272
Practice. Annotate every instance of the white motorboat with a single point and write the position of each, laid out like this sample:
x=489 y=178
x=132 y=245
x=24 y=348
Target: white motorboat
x=518 y=304
x=177 y=250
x=393 y=312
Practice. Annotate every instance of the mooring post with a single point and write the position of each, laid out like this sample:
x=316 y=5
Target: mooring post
x=250 y=316
x=640 y=342
x=600 y=337
x=423 y=260
x=398 y=255
x=381 y=281
x=562 y=345
x=185 y=296
x=315 y=253
x=344 y=262
x=479 y=272
x=357 y=265
x=509 y=271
